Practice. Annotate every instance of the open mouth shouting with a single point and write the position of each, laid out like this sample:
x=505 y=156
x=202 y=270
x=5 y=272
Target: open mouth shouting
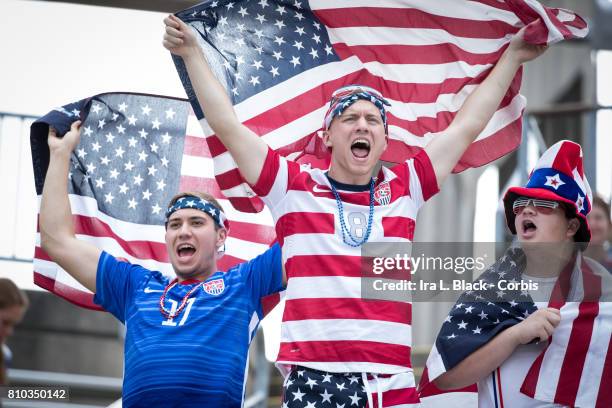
x=528 y=228
x=360 y=148
x=185 y=251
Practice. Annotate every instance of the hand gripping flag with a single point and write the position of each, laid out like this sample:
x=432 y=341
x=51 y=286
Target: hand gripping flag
x=574 y=369
x=136 y=152
x=281 y=60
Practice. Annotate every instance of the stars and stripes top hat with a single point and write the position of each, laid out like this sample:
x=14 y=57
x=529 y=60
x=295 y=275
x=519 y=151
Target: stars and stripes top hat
x=557 y=176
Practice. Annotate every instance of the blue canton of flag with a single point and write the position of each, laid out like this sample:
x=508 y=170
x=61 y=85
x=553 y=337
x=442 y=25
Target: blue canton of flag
x=60 y=119
x=478 y=316
x=129 y=156
x=123 y=160
x=255 y=45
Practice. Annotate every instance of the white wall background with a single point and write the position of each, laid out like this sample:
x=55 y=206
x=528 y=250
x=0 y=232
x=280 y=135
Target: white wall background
x=54 y=53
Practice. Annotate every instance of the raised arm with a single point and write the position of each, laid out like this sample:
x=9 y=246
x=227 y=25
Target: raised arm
x=247 y=149
x=483 y=361
x=446 y=149
x=78 y=258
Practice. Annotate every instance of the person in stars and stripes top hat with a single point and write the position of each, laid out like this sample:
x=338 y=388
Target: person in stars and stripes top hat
x=558 y=176
x=544 y=342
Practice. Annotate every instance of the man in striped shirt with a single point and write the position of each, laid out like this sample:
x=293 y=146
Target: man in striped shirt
x=335 y=346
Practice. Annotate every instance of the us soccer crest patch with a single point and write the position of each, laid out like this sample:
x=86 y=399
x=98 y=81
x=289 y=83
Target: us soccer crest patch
x=382 y=194
x=214 y=287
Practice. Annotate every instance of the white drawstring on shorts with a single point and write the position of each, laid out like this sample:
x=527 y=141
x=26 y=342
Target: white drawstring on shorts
x=366 y=385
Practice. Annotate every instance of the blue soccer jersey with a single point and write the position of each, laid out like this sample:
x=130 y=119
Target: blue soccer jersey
x=198 y=358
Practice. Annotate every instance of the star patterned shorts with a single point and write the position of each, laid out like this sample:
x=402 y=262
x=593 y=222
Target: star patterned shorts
x=308 y=388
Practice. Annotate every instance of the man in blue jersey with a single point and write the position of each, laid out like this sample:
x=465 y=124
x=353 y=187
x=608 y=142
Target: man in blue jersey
x=187 y=339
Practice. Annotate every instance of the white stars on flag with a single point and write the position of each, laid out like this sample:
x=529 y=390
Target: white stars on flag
x=81 y=153
x=96 y=108
x=137 y=180
x=132 y=143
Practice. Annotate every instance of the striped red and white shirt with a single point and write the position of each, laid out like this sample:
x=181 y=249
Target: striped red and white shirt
x=327 y=325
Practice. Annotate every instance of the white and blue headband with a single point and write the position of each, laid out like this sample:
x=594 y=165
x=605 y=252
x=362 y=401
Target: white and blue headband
x=198 y=203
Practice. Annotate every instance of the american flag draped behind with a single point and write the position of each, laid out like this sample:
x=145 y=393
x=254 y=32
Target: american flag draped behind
x=281 y=60
x=136 y=152
x=574 y=368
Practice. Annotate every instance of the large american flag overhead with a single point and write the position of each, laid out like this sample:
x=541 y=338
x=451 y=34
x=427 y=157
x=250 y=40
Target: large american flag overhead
x=136 y=152
x=280 y=61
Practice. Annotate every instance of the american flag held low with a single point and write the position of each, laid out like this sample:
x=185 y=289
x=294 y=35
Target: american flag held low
x=574 y=367
x=280 y=61
x=136 y=152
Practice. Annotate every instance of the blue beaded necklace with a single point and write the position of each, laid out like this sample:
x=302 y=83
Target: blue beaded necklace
x=345 y=231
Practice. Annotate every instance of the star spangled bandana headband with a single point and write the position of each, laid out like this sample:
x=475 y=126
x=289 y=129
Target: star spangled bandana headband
x=344 y=97
x=198 y=203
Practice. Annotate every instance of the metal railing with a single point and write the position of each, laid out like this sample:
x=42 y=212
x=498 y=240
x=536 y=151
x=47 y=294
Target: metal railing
x=108 y=388
x=17 y=186
x=72 y=381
